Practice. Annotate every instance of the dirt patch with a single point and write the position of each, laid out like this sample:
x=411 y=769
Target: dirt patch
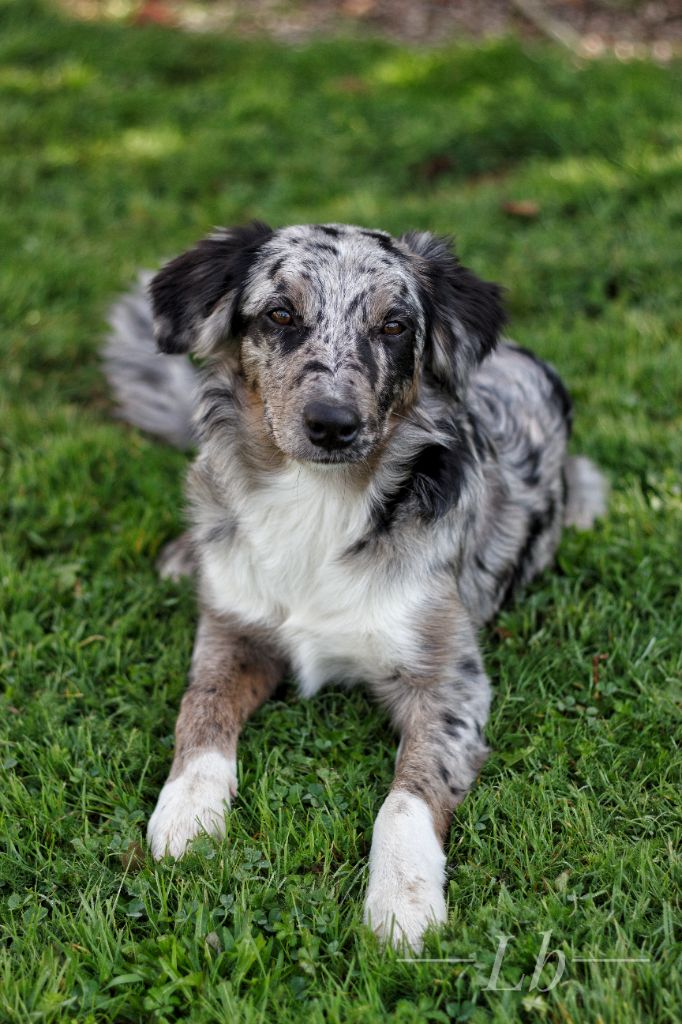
x=628 y=27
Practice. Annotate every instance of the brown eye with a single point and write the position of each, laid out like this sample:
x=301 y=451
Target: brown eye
x=281 y=316
x=393 y=327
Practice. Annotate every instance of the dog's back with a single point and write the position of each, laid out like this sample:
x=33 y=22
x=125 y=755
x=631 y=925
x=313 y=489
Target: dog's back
x=524 y=410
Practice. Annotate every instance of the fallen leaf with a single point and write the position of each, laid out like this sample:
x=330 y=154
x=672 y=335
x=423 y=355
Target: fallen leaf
x=351 y=84
x=133 y=858
x=154 y=12
x=435 y=166
x=527 y=209
x=358 y=8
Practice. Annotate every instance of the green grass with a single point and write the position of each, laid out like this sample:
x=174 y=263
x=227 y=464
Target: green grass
x=119 y=147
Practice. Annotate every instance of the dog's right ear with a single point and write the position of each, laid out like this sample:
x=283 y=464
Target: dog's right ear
x=195 y=296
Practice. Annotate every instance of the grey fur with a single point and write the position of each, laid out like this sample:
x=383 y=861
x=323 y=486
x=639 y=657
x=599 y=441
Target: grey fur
x=155 y=392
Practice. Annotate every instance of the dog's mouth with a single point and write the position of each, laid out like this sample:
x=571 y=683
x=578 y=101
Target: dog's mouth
x=301 y=450
x=333 y=459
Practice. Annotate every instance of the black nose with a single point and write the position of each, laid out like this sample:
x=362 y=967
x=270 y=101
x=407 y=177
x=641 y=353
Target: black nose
x=331 y=425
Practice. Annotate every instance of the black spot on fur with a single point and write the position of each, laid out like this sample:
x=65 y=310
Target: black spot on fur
x=312 y=366
x=355 y=302
x=367 y=359
x=217 y=534
x=453 y=725
x=217 y=394
x=435 y=478
x=400 y=368
x=212 y=421
x=530 y=467
x=217 y=414
x=469 y=667
x=559 y=393
x=439 y=478
x=276 y=267
x=332 y=232
x=443 y=772
x=291 y=339
x=386 y=243
x=482 y=442
x=358 y=547
x=323 y=247
x=187 y=290
x=538 y=523
x=464 y=314
x=149 y=375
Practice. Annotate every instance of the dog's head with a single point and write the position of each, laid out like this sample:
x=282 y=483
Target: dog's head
x=335 y=327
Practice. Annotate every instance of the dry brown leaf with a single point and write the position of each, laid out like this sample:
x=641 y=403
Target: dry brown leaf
x=527 y=209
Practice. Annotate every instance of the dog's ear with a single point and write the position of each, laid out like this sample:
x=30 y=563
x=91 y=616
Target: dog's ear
x=464 y=314
x=195 y=296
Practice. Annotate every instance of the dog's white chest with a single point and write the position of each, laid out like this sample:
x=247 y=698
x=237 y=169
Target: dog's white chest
x=288 y=568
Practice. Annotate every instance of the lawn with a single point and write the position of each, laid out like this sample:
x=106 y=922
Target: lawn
x=119 y=147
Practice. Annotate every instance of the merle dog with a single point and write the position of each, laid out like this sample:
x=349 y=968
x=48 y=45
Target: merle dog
x=376 y=474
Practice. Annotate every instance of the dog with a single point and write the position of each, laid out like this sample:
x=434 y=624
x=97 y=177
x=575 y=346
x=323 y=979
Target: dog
x=378 y=472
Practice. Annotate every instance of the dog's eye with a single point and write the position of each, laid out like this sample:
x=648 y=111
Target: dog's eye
x=393 y=327
x=281 y=316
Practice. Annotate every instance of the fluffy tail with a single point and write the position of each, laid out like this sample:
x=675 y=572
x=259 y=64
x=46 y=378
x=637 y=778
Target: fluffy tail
x=154 y=391
x=587 y=493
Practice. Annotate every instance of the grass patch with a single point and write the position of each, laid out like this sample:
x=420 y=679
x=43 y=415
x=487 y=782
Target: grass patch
x=122 y=146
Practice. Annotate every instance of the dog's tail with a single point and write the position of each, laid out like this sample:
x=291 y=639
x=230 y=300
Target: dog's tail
x=587 y=492
x=154 y=391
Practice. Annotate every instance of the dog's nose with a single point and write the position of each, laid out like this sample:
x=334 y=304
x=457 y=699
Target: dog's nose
x=331 y=425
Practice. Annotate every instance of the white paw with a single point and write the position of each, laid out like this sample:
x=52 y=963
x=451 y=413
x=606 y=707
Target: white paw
x=406 y=872
x=193 y=802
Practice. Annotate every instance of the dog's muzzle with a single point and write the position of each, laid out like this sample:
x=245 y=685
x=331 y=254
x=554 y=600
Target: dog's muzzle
x=331 y=425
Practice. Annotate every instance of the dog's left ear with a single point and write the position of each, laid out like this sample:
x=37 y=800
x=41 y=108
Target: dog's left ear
x=464 y=313
x=196 y=295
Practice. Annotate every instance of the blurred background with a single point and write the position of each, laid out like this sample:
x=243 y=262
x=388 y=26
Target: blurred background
x=591 y=25
x=547 y=138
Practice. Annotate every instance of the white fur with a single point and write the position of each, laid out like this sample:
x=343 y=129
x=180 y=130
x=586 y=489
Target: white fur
x=193 y=802
x=176 y=560
x=337 y=618
x=588 y=491
x=406 y=872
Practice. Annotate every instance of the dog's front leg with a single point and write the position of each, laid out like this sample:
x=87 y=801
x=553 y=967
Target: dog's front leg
x=441 y=752
x=232 y=674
